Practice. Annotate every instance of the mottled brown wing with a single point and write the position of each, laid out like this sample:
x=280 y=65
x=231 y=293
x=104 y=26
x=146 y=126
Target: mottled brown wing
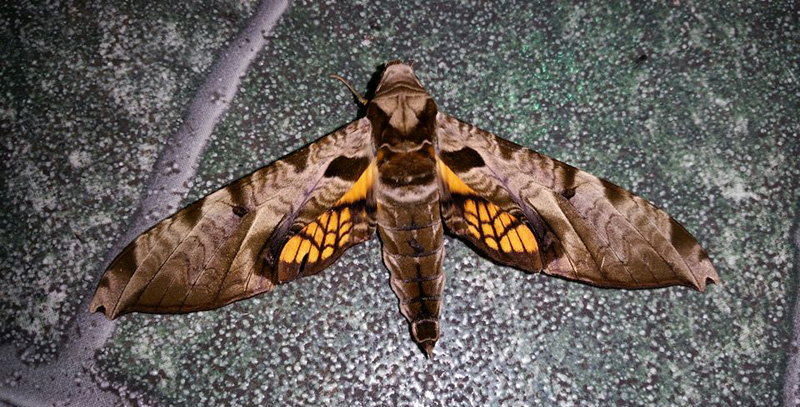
x=229 y=245
x=586 y=228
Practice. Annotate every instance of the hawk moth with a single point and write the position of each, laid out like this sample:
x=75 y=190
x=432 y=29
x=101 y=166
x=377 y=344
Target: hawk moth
x=408 y=173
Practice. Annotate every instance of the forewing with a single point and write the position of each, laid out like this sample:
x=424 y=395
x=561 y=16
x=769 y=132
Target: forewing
x=225 y=247
x=587 y=228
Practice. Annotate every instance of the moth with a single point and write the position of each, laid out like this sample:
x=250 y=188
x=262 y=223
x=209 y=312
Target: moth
x=407 y=173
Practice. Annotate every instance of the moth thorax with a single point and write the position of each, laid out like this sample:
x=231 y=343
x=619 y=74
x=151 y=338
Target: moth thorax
x=403 y=109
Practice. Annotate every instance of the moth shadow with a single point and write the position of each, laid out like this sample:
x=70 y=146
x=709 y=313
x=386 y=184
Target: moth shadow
x=372 y=87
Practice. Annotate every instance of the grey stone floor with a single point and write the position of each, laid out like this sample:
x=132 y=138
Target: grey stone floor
x=691 y=105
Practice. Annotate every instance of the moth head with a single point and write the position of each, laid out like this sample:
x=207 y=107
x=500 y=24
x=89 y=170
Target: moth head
x=402 y=101
x=398 y=73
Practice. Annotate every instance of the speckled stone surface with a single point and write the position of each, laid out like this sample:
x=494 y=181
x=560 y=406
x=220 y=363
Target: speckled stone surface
x=693 y=106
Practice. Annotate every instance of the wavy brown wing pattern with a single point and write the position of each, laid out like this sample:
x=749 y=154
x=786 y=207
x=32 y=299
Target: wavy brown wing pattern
x=225 y=247
x=587 y=228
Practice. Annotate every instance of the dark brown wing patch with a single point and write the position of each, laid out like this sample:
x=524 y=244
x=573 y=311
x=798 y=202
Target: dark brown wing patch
x=497 y=233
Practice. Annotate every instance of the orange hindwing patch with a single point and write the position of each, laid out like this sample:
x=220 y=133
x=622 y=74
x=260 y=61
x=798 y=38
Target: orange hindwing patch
x=501 y=235
x=323 y=240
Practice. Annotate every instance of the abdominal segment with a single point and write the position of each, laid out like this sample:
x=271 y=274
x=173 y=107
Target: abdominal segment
x=413 y=253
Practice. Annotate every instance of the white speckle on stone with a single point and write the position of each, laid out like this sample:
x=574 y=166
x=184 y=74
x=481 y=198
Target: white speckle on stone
x=79 y=159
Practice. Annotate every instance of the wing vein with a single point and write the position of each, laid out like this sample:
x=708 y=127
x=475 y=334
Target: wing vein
x=161 y=265
x=230 y=265
x=205 y=267
x=649 y=243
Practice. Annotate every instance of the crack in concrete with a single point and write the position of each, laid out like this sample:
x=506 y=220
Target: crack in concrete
x=68 y=380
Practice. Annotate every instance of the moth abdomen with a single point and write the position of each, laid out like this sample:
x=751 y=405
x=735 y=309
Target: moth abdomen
x=413 y=250
x=418 y=281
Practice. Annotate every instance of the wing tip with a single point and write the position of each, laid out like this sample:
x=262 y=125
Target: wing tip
x=98 y=305
x=704 y=279
x=709 y=280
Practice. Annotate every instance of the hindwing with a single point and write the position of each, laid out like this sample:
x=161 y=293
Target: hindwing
x=503 y=236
